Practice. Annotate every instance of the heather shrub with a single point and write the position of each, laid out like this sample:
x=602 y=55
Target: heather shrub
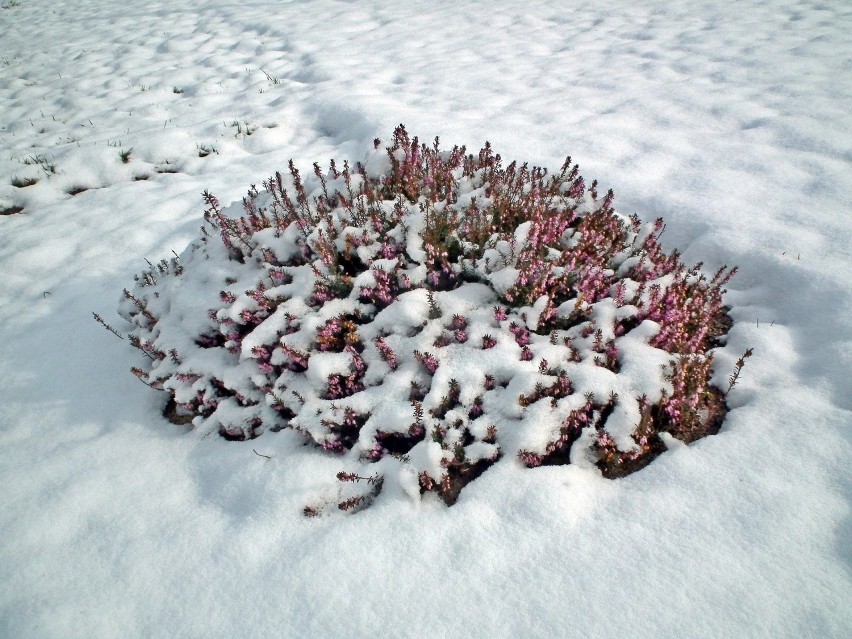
x=427 y=312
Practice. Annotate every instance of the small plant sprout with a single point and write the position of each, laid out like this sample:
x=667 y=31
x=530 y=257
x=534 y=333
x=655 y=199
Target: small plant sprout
x=206 y=149
x=39 y=160
x=167 y=166
x=405 y=312
x=21 y=183
x=272 y=79
x=177 y=90
x=125 y=155
x=243 y=129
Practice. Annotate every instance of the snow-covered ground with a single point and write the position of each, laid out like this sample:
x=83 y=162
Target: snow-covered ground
x=730 y=120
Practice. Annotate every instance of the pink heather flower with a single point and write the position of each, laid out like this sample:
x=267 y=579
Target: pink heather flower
x=427 y=360
x=257 y=294
x=261 y=353
x=298 y=362
x=611 y=350
x=442 y=340
x=386 y=352
x=431 y=363
x=375 y=453
x=205 y=341
x=332 y=445
x=577 y=189
x=425 y=480
x=620 y=290
x=458 y=323
x=357 y=361
x=530 y=460
x=382 y=293
x=389 y=250
x=522 y=335
x=605 y=440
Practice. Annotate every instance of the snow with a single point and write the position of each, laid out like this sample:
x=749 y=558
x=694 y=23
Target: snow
x=731 y=121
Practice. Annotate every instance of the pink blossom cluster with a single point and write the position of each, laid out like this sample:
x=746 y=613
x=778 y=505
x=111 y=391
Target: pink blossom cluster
x=341 y=435
x=561 y=387
x=337 y=333
x=373 y=262
x=557 y=451
x=340 y=386
x=384 y=291
x=687 y=310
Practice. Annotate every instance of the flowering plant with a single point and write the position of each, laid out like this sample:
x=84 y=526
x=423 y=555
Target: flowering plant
x=426 y=312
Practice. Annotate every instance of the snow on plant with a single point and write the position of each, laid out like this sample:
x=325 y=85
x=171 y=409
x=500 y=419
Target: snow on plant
x=429 y=312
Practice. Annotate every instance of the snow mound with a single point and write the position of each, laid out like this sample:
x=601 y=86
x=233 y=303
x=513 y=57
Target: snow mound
x=427 y=312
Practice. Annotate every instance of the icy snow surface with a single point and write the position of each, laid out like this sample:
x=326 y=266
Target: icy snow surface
x=730 y=120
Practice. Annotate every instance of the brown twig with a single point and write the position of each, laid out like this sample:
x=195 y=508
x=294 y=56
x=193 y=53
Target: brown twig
x=101 y=321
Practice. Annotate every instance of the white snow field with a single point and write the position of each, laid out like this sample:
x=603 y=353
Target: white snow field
x=732 y=120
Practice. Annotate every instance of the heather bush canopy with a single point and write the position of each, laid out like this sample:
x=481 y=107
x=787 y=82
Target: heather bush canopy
x=428 y=313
